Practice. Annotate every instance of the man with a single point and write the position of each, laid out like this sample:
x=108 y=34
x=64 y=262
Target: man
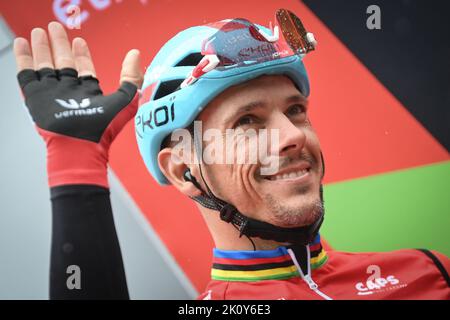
x=234 y=77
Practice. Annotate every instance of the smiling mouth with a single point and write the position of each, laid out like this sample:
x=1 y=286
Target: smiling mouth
x=289 y=175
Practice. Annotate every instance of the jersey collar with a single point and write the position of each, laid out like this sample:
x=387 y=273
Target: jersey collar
x=262 y=264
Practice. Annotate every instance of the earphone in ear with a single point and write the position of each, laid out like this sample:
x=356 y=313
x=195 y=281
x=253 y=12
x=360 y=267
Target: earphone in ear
x=188 y=177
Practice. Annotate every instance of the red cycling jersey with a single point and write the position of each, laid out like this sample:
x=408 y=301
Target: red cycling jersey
x=277 y=274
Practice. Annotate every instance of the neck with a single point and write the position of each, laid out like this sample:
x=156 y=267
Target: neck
x=244 y=244
x=226 y=237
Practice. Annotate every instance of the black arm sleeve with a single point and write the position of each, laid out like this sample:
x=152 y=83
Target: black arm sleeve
x=86 y=262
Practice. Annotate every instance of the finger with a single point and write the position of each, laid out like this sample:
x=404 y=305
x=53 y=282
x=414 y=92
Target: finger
x=22 y=52
x=62 y=52
x=83 y=59
x=131 y=68
x=42 y=57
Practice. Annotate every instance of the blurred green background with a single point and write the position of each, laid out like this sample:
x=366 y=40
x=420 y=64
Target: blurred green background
x=403 y=209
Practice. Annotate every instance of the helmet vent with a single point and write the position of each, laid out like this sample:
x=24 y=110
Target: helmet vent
x=190 y=60
x=167 y=87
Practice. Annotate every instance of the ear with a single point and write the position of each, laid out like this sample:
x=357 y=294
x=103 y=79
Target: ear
x=173 y=167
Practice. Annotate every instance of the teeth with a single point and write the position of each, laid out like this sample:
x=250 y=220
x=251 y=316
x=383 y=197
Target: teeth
x=287 y=176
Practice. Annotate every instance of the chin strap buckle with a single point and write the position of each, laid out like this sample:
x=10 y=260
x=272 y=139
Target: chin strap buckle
x=227 y=213
x=230 y=214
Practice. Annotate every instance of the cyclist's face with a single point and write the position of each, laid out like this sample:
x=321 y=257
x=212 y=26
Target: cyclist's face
x=287 y=193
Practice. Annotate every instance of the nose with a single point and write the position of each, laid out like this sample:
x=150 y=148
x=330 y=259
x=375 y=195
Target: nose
x=292 y=139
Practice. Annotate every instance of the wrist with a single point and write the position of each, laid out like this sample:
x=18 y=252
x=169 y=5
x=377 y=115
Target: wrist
x=75 y=161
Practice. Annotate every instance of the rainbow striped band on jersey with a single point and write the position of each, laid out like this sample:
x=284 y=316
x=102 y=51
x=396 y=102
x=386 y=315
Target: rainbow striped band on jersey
x=262 y=264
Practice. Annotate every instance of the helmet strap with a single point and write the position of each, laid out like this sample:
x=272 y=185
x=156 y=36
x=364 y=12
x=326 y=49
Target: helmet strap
x=255 y=228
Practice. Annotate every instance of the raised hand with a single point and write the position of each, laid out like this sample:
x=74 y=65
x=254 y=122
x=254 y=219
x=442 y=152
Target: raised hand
x=63 y=96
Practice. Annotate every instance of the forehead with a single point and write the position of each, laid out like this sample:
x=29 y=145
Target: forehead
x=269 y=89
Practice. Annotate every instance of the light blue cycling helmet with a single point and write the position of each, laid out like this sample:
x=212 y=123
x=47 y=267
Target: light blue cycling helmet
x=175 y=90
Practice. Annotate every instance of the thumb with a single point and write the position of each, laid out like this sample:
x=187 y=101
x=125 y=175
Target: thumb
x=131 y=68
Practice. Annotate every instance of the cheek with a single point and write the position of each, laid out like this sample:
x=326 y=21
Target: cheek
x=232 y=161
x=239 y=187
x=221 y=173
x=312 y=140
x=226 y=180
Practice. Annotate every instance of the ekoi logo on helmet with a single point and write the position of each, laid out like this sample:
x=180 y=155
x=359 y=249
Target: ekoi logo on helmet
x=155 y=118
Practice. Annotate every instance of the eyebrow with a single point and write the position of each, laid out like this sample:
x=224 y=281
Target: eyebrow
x=296 y=98
x=261 y=105
x=244 y=109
